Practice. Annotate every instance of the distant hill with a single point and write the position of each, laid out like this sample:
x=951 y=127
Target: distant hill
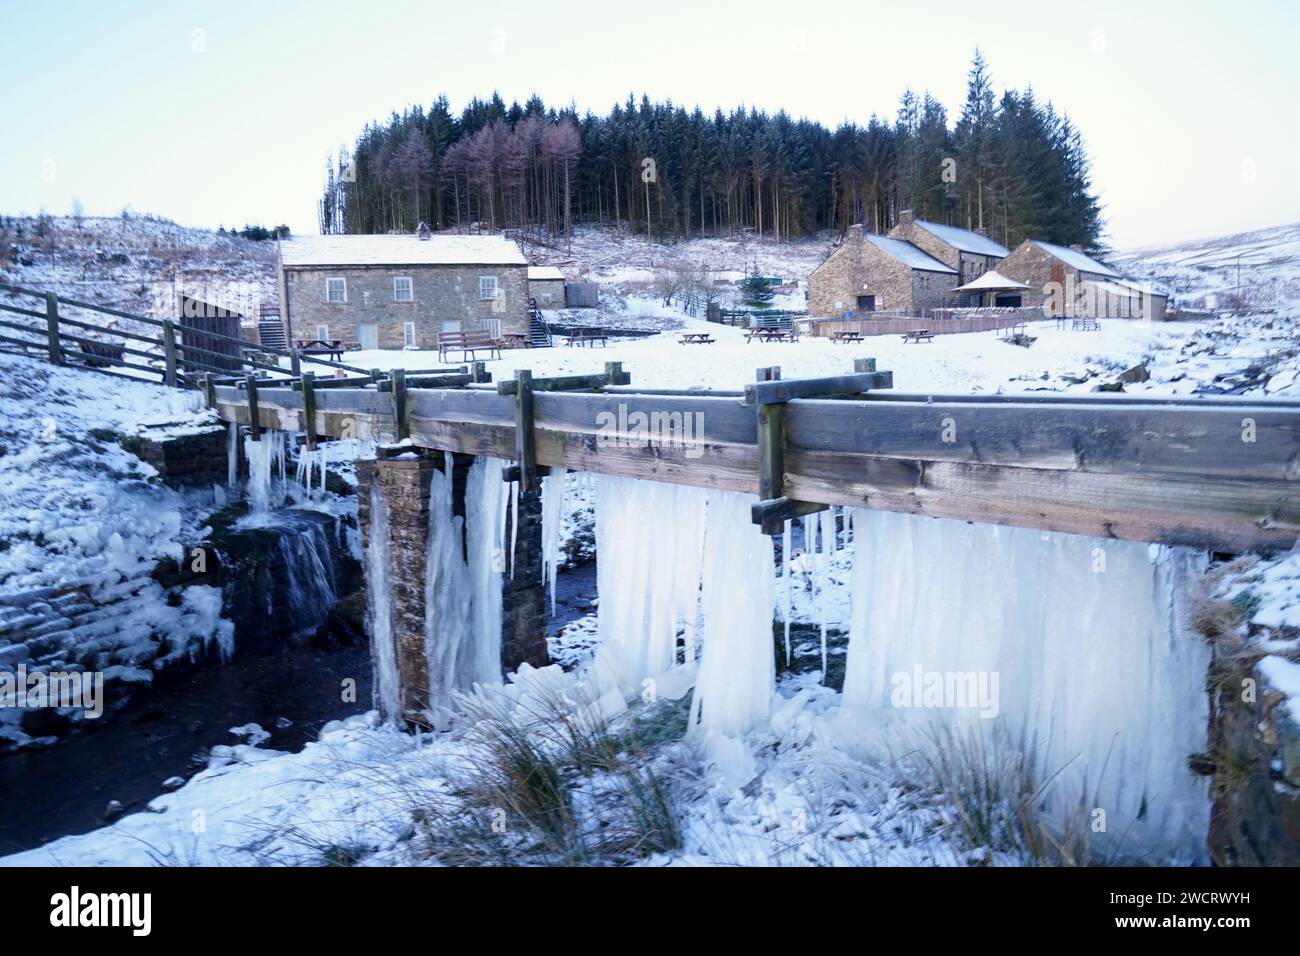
x=1269 y=261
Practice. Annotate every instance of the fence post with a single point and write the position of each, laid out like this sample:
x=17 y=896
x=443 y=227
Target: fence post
x=295 y=363
x=254 y=415
x=309 y=408
x=525 y=441
x=169 y=352
x=864 y=365
x=210 y=389
x=52 y=327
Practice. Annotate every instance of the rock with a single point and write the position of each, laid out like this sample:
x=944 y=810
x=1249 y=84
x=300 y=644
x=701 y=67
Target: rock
x=173 y=783
x=1109 y=387
x=114 y=810
x=1138 y=373
x=283 y=723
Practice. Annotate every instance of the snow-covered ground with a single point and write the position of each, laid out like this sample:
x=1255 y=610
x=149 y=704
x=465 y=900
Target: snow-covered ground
x=366 y=794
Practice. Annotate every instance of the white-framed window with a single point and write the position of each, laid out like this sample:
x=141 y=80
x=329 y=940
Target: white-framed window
x=403 y=291
x=487 y=287
x=322 y=333
x=336 y=289
x=491 y=326
x=408 y=335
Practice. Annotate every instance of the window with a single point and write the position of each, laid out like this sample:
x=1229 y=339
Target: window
x=336 y=289
x=402 y=291
x=322 y=333
x=408 y=335
x=491 y=326
x=487 y=287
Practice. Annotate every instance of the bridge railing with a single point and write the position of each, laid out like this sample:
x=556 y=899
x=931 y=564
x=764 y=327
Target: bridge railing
x=138 y=346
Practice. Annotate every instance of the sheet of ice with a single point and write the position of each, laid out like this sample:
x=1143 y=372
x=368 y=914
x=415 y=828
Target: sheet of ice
x=265 y=457
x=649 y=549
x=733 y=693
x=1073 y=649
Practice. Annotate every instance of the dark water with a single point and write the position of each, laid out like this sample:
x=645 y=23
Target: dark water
x=65 y=789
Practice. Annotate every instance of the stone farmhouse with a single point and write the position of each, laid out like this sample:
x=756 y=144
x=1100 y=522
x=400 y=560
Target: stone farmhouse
x=1065 y=281
x=400 y=291
x=971 y=253
x=871 y=273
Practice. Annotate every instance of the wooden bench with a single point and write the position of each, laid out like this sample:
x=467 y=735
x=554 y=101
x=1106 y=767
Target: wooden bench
x=847 y=335
x=1086 y=325
x=697 y=338
x=467 y=343
x=333 y=348
x=918 y=335
x=586 y=337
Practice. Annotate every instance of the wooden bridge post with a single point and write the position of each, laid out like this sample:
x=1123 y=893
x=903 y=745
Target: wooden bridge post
x=523 y=597
x=169 y=352
x=254 y=413
x=309 y=408
x=401 y=423
x=52 y=327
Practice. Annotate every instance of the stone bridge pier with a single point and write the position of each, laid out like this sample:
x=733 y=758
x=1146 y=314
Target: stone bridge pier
x=398 y=480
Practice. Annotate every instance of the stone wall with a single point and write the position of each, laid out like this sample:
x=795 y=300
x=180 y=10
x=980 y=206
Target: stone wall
x=192 y=458
x=440 y=294
x=857 y=268
x=540 y=289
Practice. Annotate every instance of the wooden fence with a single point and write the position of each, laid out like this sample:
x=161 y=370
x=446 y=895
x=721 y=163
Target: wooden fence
x=939 y=326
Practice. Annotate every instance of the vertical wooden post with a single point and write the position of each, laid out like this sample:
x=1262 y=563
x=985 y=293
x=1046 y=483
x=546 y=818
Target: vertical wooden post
x=525 y=443
x=402 y=426
x=771 y=448
x=295 y=363
x=864 y=365
x=254 y=416
x=309 y=408
x=478 y=372
x=169 y=352
x=52 y=327
x=210 y=389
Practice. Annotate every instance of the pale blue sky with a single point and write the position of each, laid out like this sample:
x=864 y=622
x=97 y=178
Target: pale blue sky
x=1189 y=108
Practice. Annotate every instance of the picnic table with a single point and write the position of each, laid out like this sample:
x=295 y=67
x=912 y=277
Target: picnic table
x=847 y=335
x=696 y=338
x=332 y=348
x=916 y=335
x=771 y=334
x=586 y=337
x=1086 y=324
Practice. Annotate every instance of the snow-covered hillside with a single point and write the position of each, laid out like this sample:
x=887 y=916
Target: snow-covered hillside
x=135 y=263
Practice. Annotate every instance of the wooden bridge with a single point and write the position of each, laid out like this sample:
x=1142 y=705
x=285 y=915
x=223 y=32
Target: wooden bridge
x=1213 y=472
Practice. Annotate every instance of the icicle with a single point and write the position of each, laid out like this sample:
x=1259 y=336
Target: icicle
x=262 y=456
x=785 y=582
x=827 y=535
x=232 y=456
x=1076 y=645
x=514 y=523
x=379 y=599
x=553 y=496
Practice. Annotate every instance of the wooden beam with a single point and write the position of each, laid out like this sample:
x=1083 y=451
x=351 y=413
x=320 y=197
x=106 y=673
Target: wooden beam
x=52 y=328
x=397 y=385
x=783 y=390
x=254 y=417
x=525 y=442
x=169 y=352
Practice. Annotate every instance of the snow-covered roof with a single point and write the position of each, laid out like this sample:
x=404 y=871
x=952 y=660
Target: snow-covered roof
x=400 y=251
x=538 y=273
x=1077 y=260
x=908 y=254
x=964 y=239
x=992 y=281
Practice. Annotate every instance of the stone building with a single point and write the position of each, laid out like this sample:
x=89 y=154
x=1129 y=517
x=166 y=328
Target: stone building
x=1065 y=281
x=871 y=273
x=546 y=286
x=971 y=253
x=399 y=291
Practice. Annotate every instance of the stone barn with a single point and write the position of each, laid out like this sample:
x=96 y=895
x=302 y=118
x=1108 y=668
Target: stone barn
x=970 y=252
x=870 y=273
x=400 y=291
x=1066 y=281
x=546 y=286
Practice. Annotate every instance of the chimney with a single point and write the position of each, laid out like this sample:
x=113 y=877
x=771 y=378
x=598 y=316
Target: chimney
x=906 y=217
x=422 y=231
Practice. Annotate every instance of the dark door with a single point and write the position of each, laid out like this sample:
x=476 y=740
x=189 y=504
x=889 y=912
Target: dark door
x=866 y=303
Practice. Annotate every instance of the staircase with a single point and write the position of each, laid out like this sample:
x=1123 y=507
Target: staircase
x=271 y=333
x=539 y=337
